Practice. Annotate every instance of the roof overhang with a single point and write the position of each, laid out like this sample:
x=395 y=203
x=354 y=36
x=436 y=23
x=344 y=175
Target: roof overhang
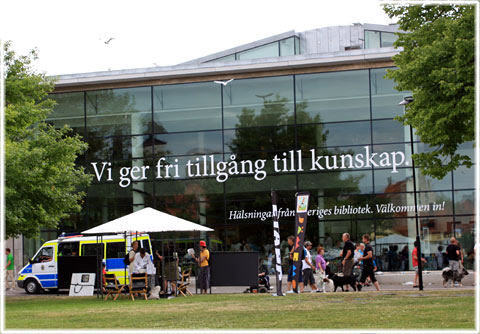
x=218 y=70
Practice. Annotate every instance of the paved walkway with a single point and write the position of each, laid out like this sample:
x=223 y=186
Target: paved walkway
x=391 y=281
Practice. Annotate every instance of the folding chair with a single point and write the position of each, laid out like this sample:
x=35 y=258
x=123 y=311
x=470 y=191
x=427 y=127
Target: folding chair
x=112 y=286
x=139 y=284
x=182 y=285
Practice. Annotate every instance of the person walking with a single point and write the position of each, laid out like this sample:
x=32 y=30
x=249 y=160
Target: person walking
x=204 y=271
x=321 y=265
x=308 y=268
x=9 y=270
x=453 y=254
x=415 y=263
x=347 y=257
x=368 y=269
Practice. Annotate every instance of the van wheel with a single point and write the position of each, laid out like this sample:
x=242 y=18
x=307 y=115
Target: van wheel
x=32 y=287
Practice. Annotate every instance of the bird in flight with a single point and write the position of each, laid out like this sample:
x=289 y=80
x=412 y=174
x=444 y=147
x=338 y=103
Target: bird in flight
x=108 y=42
x=224 y=82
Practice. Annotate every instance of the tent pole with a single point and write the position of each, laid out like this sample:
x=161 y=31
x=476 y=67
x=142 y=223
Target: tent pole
x=96 y=259
x=125 y=268
x=101 y=266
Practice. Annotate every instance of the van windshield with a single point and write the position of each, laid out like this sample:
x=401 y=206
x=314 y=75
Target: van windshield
x=44 y=255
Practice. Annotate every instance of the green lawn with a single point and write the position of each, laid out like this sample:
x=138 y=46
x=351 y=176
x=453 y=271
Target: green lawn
x=442 y=309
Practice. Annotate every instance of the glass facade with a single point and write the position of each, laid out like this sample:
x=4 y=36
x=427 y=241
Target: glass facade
x=379 y=39
x=269 y=126
x=285 y=47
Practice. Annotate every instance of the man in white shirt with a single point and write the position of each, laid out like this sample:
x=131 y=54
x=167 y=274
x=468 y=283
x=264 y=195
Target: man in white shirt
x=142 y=259
x=308 y=268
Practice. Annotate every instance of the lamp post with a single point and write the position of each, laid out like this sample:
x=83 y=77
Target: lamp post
x=408 y=100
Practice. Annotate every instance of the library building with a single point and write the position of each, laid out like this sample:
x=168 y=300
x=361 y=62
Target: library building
x=209 y=139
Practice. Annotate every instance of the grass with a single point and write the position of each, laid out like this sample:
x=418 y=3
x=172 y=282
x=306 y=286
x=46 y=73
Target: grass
x=444 y=309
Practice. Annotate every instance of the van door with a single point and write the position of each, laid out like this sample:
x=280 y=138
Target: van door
x=44 y=267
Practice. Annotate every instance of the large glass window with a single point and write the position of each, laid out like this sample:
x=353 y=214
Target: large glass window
x=270 y=138
x=115 y=250
x=372 y=39
x=332 y=96
x=260 y=120
x=287 y=47
x=464 y=178
x=187 y=107
x=464 y=202
x=388 y=38
x=68 y=111
x=264 y=51
x=206 y=142
x=345 y=182
x=385 y=98
x=120 y=148
x=334 y=134
x=258 y=102
x=114 y=112
x=426 y=183
x=390 y=131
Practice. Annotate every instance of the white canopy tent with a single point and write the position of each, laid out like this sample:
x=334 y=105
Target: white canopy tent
x=147 y=220
x=144 y=220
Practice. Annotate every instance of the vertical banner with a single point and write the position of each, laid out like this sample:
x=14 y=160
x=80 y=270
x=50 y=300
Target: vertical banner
x=276 y=243
x=300 y=228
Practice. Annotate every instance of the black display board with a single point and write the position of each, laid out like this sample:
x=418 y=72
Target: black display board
x=233 y=268
x=67 y=265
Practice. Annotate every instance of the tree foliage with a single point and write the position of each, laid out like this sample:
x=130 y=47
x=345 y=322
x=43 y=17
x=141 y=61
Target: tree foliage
x=437 y=65
x=42 y=181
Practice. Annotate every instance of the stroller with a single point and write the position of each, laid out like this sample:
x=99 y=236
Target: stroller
x=263 y=282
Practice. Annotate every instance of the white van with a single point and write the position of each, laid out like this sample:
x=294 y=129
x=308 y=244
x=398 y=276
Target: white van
x=42 y=270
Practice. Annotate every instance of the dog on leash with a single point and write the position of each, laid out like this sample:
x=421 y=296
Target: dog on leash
x=452 y=275
x=340 y=281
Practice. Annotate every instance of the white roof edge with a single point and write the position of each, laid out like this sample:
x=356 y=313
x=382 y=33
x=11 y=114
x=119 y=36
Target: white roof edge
x=335 y=58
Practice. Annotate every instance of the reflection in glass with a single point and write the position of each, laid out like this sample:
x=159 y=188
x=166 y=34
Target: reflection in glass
x=287 y=47
x=425 y=182
x=334 y=134
x=207 y=142
x=258 y=102
x=187 y=107
x=464 y=202
x=333 y=96
x=345 y=182
x=385 y=97
x=114 y=112
x=464 y=178
x=390 y=131
x=259 y=139
x=388 y=39
x=264 y=51
x=119 y=148
x=372 y=39
x=68 y=111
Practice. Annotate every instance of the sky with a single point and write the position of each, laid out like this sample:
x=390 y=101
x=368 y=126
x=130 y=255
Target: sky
x=71 y=35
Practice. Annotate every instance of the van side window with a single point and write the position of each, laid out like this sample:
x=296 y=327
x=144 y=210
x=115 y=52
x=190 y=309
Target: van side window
x=44 y=255
x=68 y=248
x=115 y=250
x=91 y=250
x=146 y=245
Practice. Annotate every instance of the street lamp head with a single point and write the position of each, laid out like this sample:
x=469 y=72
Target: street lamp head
x=406 y=100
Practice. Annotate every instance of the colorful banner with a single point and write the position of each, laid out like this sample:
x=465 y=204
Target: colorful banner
x=300 y=228
x=276 y=242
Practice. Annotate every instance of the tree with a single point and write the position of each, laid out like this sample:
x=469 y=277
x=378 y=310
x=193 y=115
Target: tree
x=42 y=181
x=437 y=65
